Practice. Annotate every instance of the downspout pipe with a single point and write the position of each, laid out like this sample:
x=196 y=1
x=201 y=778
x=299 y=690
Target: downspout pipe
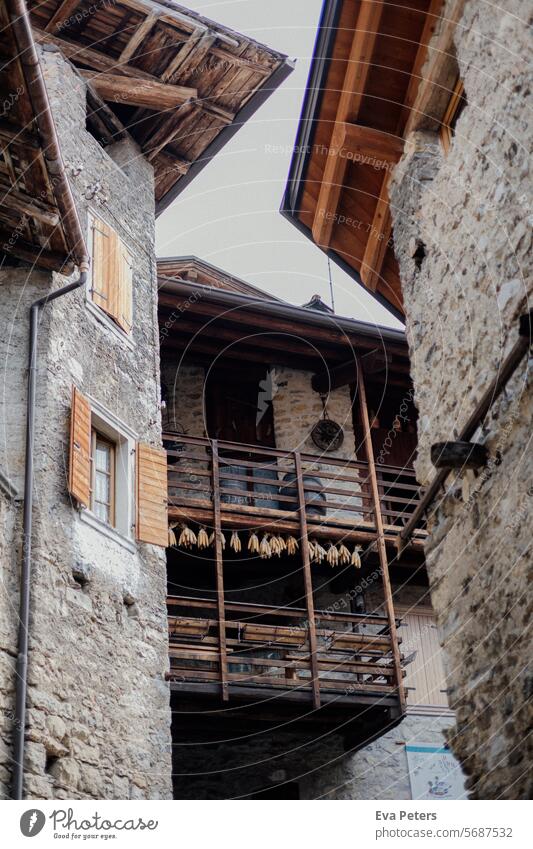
x=21 y=685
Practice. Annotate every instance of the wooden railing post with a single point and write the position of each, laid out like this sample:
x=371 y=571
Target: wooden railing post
x=219 y=566
x=304 y=547
x=382 y=548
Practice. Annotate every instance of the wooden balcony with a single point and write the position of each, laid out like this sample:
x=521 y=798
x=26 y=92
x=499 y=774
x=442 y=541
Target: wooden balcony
x=257 y=488
x=268 y=650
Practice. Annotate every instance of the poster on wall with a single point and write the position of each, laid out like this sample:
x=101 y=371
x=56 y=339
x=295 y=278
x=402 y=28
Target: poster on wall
x=434 y=773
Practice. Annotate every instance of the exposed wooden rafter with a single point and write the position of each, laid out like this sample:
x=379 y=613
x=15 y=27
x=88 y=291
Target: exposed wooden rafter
x=63 y=13
x=138 y=36
x=152 y=94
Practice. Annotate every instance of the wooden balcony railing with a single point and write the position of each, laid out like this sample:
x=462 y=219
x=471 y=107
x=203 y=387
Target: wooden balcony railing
x=258 y=487
x=269 y=647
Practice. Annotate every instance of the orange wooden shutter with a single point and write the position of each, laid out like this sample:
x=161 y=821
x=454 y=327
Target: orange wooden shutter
x=124 y=311
x=103 y=243
x=79 y=478
x=152 y=504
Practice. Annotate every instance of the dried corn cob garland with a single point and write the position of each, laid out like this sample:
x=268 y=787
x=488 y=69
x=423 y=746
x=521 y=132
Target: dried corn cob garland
x=265 y=550
x=356 y=557
x=235 y=542
x=172 y=541
x=253 y=544
x=333 y=555
x=203 y=538
x=344 y=555
x=187 y=537
x=292 y=545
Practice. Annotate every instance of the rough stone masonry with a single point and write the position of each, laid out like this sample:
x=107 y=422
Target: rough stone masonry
x=470 y=213
x=99 y=717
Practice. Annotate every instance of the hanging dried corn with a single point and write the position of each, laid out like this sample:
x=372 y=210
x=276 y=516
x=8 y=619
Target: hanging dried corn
x=203 y=538
x=253 y=544
x=235 y=542
x=333 y=555
x=356 y=557
x=320 y=553
x=312 y=551
x=187 y=537
x=292 y=545
x=172 y=541
x=265 y=550
x=344 y=555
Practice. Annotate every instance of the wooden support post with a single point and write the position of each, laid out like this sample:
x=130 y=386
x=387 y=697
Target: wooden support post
x=382 y=549
x=219 y=574
x=304 y=547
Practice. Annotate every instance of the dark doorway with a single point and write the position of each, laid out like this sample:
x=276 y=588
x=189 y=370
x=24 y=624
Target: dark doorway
x=239 y=406
x=287 y=791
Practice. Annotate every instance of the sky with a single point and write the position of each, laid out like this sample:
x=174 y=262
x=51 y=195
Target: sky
x=229 y=214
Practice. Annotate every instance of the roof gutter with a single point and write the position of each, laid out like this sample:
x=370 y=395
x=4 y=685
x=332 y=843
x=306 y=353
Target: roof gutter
x=33 y=74
x=243 y=115
x=281 y=310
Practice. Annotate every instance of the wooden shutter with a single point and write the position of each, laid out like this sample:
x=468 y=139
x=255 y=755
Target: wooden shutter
x=79 y=478
x=152 y=503
x=112 y=274
x=425 y=680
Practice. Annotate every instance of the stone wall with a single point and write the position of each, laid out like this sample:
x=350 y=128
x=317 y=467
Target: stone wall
x=470 y=211
x=99 y=718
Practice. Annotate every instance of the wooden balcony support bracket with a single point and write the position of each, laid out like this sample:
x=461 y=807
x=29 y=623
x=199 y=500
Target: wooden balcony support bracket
x=219 y=566
x=357 y=69
x=310 y=606
x=382 y=548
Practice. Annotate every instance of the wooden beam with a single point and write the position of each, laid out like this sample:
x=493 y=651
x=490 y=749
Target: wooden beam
x=108 y=124
x=13 y=199
x=378 y=240
x=308 y=582
x=166 y=131
x=432 y=19
x=358 y=67
x=380 y=533
x=61 y=15
x=35 y=255
x=94 y=58
x=360 y=141
x=17 y=135
x=176 y=18
x=153 y=95
x=219 y=565
x=197 y=44
x=138 y=36
x=440 y=56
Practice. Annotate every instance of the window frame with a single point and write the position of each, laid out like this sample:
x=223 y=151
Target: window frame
x=96 y=437
x=453 y=112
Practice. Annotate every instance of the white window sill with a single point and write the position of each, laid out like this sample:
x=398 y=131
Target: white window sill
x=91 y=519
x=109 y=324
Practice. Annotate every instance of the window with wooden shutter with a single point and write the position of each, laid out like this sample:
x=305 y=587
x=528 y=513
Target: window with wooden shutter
x=111 y=274
x=79 y=479
x=152 y=502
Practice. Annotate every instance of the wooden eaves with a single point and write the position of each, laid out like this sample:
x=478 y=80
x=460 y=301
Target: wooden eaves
x=38 y=218
x=179 y=84
x=372 y=81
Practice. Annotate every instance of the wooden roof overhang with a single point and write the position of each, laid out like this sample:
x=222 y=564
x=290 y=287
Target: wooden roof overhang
x=233 y=329
x=180 y=84
x=361 y=94
x=203 y=273
x=38 y=219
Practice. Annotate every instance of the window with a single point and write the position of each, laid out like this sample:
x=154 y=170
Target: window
x=111 y=274
x=103 y=476
x=451 y=116
x=119 y=484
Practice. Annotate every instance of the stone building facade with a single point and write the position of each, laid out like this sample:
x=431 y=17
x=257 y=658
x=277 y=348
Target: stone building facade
x=463 y=239
x=98 y=609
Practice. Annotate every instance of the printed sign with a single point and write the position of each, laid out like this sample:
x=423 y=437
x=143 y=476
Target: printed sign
x=434 y=773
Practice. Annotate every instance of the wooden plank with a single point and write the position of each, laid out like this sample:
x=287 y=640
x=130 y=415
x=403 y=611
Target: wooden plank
x=382 y=550
x=77 y=52
x=308 y=582
x=378 y=239
x=138 y=36
x=187 y=53
x=79 y=483
x=383 y=148
x=219 y=566
x=63 y=12
x=357 y=70
x=139 y=92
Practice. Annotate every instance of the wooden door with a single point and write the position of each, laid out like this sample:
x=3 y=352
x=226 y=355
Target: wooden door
x=425 y=679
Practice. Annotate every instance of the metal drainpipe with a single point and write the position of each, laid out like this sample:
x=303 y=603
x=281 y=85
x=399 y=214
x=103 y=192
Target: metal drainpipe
x=25 y=576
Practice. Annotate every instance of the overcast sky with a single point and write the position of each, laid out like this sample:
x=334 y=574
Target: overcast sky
x=229 y=215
